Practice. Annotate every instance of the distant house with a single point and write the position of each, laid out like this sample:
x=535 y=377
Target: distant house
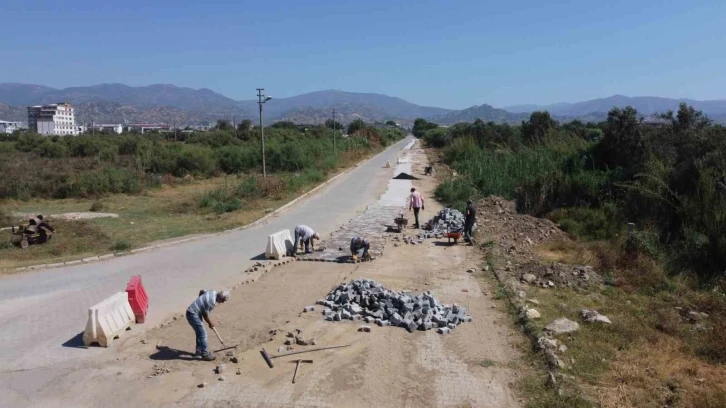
x=143 y=127
x=10 y=127
x=54 y=119
x=116 y=128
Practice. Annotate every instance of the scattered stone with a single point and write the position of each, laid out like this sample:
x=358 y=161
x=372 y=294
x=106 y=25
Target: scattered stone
x=309 y=309
x=561 y=326
x=529 y=278
x=288 y=342
x=592 y=316
x=239 y=372
x=230 y=354
x=551 y=380
x=290 y=334
x=221 y=378
x=546 y=343
x=301 y=342
x=533 y=301
x=471 y=270
x=312 y=342
x=532 y=314
x=220 y=368
x=202 y=385
x=522 y=294
x=366 y=329
x=234 y=359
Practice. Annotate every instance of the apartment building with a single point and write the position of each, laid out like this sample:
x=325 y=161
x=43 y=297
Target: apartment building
x=54 y=119
x=9 y=127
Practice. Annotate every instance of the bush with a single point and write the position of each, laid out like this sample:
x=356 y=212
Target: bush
x=121 y=245
x=97 y=206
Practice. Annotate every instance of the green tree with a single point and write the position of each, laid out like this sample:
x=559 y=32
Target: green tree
x=538 y=125
x=356 y=126
x=390 y=123
x=623 y=144
x=223 y=124
x=284 y=124
x=420 y=126
x=330 y=123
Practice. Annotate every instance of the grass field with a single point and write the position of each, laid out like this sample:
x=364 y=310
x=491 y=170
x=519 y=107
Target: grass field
x=157 y=214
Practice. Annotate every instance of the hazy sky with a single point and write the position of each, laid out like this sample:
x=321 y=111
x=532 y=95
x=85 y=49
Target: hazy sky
x=452 y=54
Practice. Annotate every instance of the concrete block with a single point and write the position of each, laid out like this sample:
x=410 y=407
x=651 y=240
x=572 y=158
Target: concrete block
x=383 y=323
x=278 y=245
x=366 y=329
x=108 y=319
x=444 y=330
x=309 y=309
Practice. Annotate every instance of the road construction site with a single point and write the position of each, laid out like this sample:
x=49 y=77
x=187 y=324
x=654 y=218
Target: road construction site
x=280 y=306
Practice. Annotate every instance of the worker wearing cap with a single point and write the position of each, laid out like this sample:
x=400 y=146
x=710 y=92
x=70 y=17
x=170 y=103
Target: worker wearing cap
x=199 y=310
x=358 y=243
x=305 y=234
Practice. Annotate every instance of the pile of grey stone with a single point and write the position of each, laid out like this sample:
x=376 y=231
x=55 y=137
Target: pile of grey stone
x=368 y=300
x=446 y=220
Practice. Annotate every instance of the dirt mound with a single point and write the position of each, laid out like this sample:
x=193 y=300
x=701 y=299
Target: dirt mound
x=515 y=233
x=556 y=275
x=405 y=176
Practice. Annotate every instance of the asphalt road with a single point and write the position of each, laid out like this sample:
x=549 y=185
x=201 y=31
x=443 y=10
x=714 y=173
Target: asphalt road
x=43 y=312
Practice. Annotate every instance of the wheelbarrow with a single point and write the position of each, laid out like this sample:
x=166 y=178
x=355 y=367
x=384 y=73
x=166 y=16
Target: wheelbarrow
x=455 y=235
x=401 y=223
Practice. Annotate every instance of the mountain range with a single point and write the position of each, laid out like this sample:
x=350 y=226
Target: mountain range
x=118 y=103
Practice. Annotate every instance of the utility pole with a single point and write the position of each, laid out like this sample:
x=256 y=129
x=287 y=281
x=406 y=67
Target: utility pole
x=261 y=99
x=334 y=148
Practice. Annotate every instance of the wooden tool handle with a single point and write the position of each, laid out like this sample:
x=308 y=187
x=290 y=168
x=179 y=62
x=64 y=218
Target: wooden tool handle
x=307 y=351
x=220 y=338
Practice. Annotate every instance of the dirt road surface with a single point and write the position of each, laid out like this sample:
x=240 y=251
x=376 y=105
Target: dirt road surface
x=387 y=367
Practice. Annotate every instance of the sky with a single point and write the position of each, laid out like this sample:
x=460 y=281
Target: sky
x=451 y=54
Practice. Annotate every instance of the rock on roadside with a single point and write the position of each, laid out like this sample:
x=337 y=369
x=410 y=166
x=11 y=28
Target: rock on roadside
x=592 y=316
x=561 y=326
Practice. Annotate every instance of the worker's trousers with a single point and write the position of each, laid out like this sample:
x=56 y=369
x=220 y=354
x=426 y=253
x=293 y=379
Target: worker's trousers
x=415 y=214
x=365 y=249
x=468 y=226
x=298 y=237
x=195 y=320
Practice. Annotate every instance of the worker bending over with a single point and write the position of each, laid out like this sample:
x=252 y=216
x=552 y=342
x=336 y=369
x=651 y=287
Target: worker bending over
x=358 y=243
x=199 y=310
x=305 y=234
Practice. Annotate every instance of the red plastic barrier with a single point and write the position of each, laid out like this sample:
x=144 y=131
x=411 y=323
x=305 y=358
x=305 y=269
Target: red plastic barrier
x=138 y=298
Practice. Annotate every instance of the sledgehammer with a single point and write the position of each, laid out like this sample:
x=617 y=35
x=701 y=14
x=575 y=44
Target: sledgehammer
x=268 y=358
x=220 y=340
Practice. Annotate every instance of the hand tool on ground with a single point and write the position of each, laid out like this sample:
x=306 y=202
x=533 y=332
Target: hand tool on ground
x=298 y=365
x=268 y=358
x=214 y=329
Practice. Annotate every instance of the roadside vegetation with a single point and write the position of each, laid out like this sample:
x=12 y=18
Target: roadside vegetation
x=664 y=286
x=165 y=185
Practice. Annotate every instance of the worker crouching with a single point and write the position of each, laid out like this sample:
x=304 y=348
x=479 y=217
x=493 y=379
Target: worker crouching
x=306 y=235
x=199 y=310
x=357 y=244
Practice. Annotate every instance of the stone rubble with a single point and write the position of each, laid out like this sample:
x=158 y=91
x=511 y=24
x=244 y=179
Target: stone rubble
x=592 y=316
x=447 y=220
x=369 y=301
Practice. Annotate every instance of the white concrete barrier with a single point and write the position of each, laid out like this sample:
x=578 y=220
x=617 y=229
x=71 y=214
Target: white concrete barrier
x=108 y=319
x=278 y=245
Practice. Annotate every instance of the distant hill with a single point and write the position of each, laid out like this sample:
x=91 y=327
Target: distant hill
x=486 y=113
x=645 y=105
x=115 y=102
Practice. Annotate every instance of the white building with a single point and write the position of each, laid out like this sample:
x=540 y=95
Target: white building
x=54 y=119
x=10 y=127
x=116 y=128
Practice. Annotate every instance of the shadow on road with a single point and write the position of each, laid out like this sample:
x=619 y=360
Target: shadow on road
x=168 y=353
x=75 y=341
x=260 y=257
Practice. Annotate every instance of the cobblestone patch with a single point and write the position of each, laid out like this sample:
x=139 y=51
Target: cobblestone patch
x=371 y=224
